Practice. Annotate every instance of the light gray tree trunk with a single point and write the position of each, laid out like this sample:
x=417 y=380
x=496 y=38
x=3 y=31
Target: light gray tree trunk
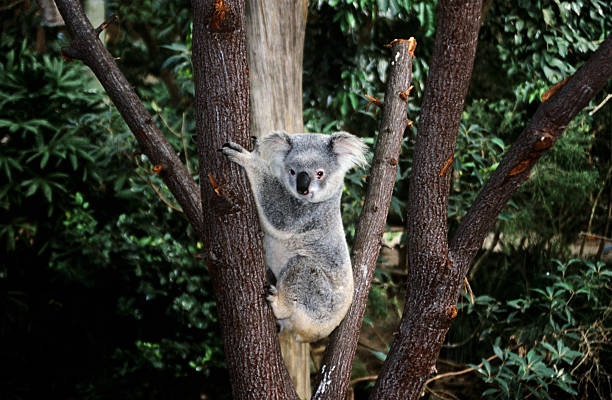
x=275 y=42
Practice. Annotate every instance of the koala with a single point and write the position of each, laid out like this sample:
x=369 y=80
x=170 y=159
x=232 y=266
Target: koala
x=297 y=182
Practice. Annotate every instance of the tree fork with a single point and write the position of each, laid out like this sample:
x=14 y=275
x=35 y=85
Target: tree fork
x=426 y=319
x=337 y=364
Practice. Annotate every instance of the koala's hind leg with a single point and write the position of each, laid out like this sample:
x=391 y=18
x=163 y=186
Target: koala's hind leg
x=281 y=306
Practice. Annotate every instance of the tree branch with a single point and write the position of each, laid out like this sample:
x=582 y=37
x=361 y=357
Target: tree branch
x=430 y=301
x=547 y=125
x=86 y=46
x=337 y=363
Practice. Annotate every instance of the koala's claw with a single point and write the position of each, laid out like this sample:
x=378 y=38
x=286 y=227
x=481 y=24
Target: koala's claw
x=272 y=291
x=233 y=146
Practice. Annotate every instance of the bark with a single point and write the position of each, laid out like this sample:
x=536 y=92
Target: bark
x=430 y=295
x=337 y=363
x=275 y=32
x=230 y=227
x=546 y=126
x=86 y=46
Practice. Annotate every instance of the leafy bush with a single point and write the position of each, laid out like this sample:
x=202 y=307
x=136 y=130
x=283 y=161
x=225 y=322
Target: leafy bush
x=553 y=342
x=98 y=275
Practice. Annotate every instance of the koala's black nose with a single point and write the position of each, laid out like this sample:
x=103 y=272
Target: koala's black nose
x=302 y=182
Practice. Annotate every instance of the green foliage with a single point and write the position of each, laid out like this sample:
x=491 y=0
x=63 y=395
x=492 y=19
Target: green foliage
x=548 y=37
x=100 y=275
x=557 y=197
x=477 y=154
x=551 y=340
x=46 y=154
x=354 y=62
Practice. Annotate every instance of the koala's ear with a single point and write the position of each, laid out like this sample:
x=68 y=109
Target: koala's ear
x=274 y=145
x=349 y=149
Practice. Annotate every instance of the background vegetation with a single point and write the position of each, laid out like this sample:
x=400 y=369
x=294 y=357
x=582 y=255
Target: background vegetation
x=100 y=290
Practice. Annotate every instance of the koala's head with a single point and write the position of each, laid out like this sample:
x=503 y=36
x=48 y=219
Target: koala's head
x=312 y=165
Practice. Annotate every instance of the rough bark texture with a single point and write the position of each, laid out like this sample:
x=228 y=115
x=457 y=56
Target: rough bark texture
x=430 y=295
x=547 y=124
x=275 y=42
x=230 y=228
x=338 y=361
x=275 y=32
x=86 y=46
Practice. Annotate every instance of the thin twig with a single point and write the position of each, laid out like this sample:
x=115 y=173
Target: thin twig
x=608 y=97
x=455 y=373
x=594 y=236
x=586 y=355
x=155 y=188
x=362 y=379
x=106 y=23
x=446 y=393
x=180 y=135
x=10 y=5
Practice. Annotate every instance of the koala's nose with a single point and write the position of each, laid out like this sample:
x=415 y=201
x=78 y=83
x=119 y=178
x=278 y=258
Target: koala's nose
x=302 y=182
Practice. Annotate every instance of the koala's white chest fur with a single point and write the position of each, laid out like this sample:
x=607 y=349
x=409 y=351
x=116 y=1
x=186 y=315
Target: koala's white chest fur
x=297 y=183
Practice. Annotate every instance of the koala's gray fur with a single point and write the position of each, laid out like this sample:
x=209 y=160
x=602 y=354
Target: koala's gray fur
x=297 y=182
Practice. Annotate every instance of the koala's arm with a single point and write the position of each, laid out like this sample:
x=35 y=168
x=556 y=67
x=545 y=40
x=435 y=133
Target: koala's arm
x=261 y=180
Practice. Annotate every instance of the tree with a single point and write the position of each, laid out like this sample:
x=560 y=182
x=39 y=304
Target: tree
x=226 y=222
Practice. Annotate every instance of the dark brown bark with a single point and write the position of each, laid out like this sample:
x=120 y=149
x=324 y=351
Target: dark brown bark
x=430 y=295
x=231 y=232
x=337 y=363
x=87 y=47
x=547 y=124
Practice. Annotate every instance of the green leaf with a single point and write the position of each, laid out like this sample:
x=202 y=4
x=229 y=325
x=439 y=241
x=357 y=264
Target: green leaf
x=350 y=19
x=498 y=352
x=379 y=354
x=549 y=16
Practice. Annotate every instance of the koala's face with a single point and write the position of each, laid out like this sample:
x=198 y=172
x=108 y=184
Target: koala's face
x=311 y=166
x=311 y=173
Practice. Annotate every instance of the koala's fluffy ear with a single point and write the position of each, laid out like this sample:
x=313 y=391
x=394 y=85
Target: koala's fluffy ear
x=274 y=146
x=349 y=149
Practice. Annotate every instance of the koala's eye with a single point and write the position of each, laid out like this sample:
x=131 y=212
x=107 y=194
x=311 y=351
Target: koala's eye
x=319 y=173
x=292 y=172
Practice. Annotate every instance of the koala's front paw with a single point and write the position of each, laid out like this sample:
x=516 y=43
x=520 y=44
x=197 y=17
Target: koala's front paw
x=233 y=146
x=236 y=153
x=272 y=292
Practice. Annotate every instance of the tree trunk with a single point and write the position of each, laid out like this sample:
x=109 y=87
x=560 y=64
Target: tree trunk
x=231 y=234
x=275 y=42
x=431 y=299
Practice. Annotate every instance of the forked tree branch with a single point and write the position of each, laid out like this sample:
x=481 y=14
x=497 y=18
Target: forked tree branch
x=86 y=46
x=428 y=310
x=338 y=360
x=548 y=123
